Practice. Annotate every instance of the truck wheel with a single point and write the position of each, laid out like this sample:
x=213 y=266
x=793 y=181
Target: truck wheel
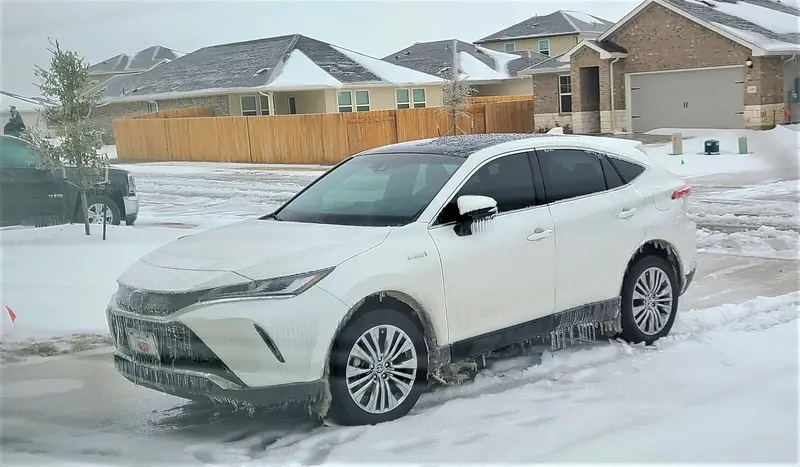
x=96 y=204
x=379 y=367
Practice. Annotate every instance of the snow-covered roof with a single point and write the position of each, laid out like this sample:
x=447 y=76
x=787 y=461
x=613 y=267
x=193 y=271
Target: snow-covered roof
x=551 y=65
x=556 y=23
x=135 y=62
x=766 y=26
x=475 y=63
x=291 y=62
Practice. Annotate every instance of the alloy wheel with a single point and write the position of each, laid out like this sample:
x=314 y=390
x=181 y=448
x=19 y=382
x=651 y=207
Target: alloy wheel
x=381 y=369
x=652 y=301
x=95 y=214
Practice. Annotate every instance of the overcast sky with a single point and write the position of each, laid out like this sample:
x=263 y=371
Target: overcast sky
x=100 y=29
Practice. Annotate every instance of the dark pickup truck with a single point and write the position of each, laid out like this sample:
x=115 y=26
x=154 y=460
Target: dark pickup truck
x=30 y=195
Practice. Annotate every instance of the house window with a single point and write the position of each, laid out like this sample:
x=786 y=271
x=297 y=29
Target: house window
x=510 y=47
x=406 y=99
x=152 y=107
x=565 y=94
x=292 y=105
x=544 y=46
x=403 y=98
x=346 y=101
x=254 y=105
x=362 y=101
x=419 y=98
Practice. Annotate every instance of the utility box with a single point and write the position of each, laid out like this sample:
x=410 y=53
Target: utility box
x=712 y=146
x=677 y=144
x=743 y=145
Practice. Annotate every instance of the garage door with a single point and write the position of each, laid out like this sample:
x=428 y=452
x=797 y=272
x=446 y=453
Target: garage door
x=688 y=99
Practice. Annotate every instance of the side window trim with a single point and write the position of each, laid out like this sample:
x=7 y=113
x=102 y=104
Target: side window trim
x=435 y=220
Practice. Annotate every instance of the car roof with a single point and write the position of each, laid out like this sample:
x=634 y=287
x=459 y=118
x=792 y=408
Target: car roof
x=464 y=146
x=456 y=146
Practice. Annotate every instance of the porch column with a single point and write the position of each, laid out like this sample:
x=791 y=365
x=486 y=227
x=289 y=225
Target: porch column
x=271 y=103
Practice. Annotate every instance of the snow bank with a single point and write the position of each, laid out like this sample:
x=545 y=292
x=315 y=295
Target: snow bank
x=389 y=72
x=764 y=242
x=765 y=148
x=58 y=281
x=299 y=71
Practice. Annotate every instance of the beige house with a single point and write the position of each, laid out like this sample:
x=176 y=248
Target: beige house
x=275 y=76
x=126 y=64
x=676 y=64
x=550 y=35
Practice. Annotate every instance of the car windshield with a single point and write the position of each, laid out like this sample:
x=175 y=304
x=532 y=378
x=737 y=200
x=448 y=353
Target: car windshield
x=373 y=190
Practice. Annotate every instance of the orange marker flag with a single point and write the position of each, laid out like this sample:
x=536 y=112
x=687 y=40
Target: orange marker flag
x=11 y=314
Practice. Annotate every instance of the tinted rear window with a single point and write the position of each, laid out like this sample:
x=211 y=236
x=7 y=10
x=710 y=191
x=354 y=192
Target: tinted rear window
x=628 y=170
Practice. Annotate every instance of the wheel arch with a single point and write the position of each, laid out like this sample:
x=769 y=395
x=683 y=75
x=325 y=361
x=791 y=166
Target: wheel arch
x=660 y=248
x=401 y=302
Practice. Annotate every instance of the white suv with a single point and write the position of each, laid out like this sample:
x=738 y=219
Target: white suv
x=406 y=265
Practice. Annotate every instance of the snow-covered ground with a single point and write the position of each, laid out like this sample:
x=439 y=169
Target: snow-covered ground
x=728 y=370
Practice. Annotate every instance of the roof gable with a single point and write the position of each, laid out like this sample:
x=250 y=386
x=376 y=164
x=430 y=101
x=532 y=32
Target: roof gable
x=755 y=24
x=556 y=23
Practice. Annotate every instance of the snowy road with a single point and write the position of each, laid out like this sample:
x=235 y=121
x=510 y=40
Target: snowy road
x=723 y=388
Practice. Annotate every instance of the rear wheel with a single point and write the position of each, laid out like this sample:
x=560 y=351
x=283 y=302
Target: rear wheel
x=649 y=300
x=378 y=369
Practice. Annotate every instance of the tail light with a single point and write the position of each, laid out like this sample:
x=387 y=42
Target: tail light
x=682 y=192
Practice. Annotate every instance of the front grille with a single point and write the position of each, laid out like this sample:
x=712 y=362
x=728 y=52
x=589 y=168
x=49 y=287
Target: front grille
x=162 y=378
x=177 y=346
x=148 y=303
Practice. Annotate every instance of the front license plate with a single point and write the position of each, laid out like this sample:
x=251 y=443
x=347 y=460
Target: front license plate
x=143 y=343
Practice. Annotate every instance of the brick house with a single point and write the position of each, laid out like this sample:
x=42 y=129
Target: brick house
x=281 y=75
x=677 y=64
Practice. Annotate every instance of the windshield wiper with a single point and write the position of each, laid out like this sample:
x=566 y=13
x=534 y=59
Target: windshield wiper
x=272 y=216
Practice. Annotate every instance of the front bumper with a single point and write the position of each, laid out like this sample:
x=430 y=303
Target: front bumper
x=253 y=350
x=199 y=385
x=131 y=205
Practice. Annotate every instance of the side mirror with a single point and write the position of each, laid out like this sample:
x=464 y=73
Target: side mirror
x=471 y=209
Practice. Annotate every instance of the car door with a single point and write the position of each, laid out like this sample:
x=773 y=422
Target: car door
x=501 y=275
x=28 y=195
x=599 y=222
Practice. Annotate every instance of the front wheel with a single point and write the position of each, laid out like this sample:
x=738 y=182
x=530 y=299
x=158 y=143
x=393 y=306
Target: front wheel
x=649 y=300
x=378 y=369
x=97 y=204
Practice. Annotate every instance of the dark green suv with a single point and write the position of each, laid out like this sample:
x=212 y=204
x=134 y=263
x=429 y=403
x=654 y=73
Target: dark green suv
x=33 y=196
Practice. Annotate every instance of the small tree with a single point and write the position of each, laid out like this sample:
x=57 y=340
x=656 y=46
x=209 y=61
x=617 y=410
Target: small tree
x=455 y=91
x=66 y=85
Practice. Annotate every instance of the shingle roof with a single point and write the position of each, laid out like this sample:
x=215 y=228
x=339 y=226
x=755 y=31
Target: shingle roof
x=140 y=61
x=252 y=65
x=739 y=18
x=436 y=58
x=556 y=23
x=551 y=65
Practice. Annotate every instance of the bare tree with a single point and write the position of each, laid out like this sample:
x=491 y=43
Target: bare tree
x=69 y=103
x=455 y=91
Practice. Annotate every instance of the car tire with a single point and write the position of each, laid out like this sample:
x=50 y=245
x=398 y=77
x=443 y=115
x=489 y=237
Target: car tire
x=99 y=200
x=649 y=300
x=373 y=381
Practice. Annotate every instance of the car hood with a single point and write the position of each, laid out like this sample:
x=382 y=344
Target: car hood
x=261 y=249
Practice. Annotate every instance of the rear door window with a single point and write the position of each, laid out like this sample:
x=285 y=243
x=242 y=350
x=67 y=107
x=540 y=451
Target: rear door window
x=628 y=170
x=16 y=155
x=570 y=173
x=613 y=180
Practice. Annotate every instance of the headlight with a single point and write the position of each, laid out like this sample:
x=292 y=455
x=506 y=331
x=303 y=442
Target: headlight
x=131 y=185
x=288 y=286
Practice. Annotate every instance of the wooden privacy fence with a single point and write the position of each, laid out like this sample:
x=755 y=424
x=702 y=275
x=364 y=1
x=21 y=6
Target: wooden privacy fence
x=487 y=99
x=180 y=113
x=303 y=139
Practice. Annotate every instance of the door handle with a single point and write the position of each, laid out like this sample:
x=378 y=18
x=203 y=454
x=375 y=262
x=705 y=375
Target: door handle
x=540 y=234
x=626 y=213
